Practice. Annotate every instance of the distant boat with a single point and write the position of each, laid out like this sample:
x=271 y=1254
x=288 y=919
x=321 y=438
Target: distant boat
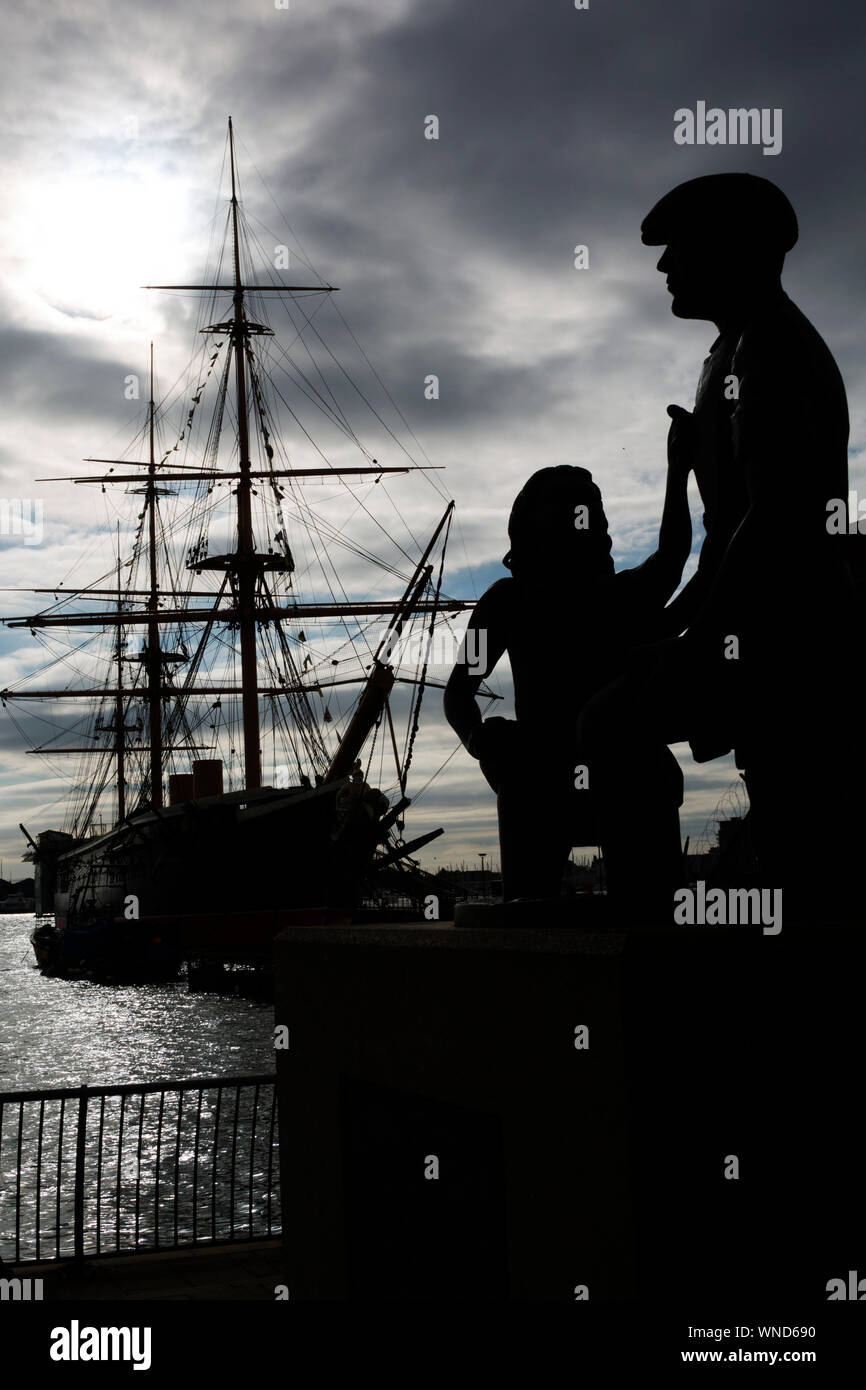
x=228 y=568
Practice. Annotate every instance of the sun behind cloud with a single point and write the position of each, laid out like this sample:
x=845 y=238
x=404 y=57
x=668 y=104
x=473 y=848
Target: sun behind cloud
x=88 y=239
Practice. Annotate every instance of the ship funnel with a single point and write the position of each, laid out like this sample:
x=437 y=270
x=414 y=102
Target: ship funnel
x=207 y=777
x=180 y=787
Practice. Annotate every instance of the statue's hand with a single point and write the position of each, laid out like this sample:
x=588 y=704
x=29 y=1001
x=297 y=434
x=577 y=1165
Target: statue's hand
x=682 y=439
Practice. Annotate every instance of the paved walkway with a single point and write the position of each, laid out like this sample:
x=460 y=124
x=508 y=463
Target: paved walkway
x=248 y=1270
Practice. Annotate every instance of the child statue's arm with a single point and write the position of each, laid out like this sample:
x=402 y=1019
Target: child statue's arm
x=660 y=575
x=675 y=532
x=483 y=646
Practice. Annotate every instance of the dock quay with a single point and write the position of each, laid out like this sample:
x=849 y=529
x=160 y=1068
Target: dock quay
x=250 y=1270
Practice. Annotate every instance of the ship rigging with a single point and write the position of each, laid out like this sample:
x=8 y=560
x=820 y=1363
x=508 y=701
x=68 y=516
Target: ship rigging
x=198 y=641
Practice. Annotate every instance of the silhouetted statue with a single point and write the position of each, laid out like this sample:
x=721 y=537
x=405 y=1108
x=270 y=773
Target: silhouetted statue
x=764 y=656
x=568 y=622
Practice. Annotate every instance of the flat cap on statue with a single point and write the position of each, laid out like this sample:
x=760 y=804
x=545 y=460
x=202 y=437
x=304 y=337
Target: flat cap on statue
x=722 y=205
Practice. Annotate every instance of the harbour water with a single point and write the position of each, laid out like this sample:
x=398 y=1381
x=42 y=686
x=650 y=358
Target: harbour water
x=56 y=1032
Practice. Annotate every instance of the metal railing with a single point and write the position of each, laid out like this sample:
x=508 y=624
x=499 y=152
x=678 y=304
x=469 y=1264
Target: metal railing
x=110 y=1170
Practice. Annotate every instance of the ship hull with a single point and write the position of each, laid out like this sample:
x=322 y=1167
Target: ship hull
x=216 y=878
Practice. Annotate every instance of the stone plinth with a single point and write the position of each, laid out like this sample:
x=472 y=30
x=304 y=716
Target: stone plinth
x=443 y=1136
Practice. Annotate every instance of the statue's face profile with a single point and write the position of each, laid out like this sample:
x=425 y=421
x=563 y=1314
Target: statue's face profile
x=708 y=278
x=698 y=277
x=725 y=238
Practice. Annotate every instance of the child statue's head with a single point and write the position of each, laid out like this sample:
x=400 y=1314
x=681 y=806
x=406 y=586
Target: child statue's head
x=558 y=523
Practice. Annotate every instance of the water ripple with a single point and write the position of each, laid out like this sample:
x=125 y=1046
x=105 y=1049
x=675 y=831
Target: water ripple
x=70 y=1032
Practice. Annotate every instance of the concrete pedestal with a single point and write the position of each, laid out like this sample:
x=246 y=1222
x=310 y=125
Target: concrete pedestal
x=553 y=1114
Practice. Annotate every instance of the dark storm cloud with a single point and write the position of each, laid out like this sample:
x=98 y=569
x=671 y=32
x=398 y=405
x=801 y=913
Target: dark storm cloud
x=548 y=115
x=45 y=375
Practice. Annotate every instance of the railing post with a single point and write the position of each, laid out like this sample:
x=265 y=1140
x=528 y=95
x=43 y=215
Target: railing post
x=80 y=1154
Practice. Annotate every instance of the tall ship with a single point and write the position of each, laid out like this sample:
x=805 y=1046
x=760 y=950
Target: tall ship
x=240 y=721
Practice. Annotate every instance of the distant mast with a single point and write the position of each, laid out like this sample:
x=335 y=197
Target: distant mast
x=245 y=561
x=119 y=728
x=152 y=656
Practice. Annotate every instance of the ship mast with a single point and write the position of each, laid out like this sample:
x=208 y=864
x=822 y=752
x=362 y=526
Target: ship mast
x=152 y=656
x=245 y=567
x=120 y=740
x=118 y=727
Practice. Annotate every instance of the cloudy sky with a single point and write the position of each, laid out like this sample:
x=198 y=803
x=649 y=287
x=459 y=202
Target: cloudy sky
x=454 y=256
